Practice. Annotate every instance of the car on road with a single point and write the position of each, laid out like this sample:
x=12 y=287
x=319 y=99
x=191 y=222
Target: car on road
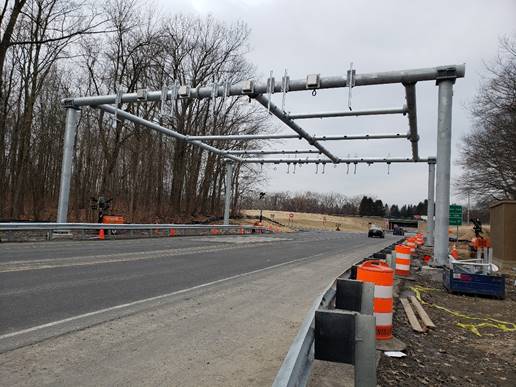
x=375 y=232
x=398 y=230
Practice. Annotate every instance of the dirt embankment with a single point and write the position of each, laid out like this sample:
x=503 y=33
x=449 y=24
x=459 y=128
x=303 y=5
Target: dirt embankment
x=474 y=343
x=311 y=221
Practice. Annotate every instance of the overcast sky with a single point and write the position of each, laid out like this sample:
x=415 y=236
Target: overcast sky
x=325 y=36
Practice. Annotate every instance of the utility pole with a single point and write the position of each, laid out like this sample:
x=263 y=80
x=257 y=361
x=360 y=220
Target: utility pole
x=467 y=212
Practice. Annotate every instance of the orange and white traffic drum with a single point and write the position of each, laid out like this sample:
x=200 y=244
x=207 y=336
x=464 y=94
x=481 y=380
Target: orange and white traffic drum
x=379 y=273
x=402 y=260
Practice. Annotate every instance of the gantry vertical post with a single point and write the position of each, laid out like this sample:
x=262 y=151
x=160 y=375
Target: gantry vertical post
x=72 y=119
x=430 y=205
x=442 y=192
x=227 y=197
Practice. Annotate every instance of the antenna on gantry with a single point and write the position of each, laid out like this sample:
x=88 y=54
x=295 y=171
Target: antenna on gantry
x=351 y=83
x=284 y=89
x=118 y=102
x=270 y=90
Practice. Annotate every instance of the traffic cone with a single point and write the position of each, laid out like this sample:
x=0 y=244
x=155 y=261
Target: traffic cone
x=101 y=234
x=454 y=252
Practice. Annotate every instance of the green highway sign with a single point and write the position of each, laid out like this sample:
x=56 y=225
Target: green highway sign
x=455 y=215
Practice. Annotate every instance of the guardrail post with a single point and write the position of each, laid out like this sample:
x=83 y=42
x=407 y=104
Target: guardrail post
x=72 y=119
x=227 y=197
x=347 y=334
x=365 y=350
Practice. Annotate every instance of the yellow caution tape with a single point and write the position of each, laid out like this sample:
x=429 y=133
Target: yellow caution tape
x=504 y=326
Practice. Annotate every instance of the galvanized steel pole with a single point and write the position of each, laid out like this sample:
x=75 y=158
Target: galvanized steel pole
x=227 y=197
x=72 y=119
x=442 y=191
x=430 y=206
x=403 y=76
x=410 y=92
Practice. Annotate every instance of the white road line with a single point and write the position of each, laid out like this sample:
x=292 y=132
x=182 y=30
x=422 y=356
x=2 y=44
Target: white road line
x=117 y=307
x=92 y=260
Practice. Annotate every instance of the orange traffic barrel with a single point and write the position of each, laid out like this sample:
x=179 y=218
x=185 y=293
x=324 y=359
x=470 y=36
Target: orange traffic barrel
x=379 y=273
x=402 y=260
x=454 y=253
x=411 y=242
x=419 y=239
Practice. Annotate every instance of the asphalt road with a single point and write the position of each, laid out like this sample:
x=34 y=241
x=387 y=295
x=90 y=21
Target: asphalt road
x=44 y=282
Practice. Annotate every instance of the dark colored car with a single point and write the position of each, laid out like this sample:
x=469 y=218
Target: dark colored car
x=375 y=232
x=398 y=231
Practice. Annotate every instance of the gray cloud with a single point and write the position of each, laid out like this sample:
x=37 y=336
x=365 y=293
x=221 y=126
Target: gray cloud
x=325 y=36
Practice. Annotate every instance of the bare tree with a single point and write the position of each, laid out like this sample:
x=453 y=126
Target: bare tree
x=488 y=154
x=54 y=51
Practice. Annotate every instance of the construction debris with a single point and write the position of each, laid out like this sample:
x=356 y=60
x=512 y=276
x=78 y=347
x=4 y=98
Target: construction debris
x=422 y=313
x=414 y=323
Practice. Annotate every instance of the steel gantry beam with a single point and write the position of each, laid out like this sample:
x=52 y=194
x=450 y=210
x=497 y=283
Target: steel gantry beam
x=348 y=113
x=249 y=137
x=356 y=160
x=410 y=92
x=265 y=102
x=271 y=152
x=331 y=82
x=168 y=132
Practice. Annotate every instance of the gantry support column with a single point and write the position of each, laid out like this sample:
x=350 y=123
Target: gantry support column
x=229 y=189
x=430 y=205
x=72 y=119
x=442 y=192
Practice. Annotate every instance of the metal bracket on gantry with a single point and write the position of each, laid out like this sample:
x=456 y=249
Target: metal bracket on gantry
x=262 y=92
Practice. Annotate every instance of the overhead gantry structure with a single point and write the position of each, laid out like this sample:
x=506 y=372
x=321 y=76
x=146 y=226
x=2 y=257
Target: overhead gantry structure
x=444 y=76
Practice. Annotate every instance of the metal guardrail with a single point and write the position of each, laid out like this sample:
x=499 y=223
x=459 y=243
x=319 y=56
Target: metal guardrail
x=22 y=226
x=297 y=365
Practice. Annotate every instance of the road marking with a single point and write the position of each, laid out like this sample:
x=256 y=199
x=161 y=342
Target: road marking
x=52 y=263
x=129 y=304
